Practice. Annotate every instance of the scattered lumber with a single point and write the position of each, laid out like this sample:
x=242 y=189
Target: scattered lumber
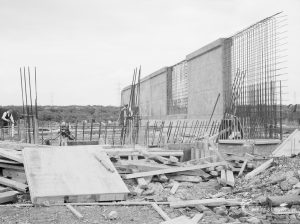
x=3 y=189
x=7 y=161
x=243 y=168
x=206 y=202
x=183 y=178
x=160 y=211
x=174 y=188
x=229 y=178
x=259 y=169
x=290 y=199
x=141 y=165
x=223 y=179
x=9 y=166
x=13 y=184
x=172 y=170
x=16 y=175
x=8 y=196
x=74 y=211
x=179 y=220
x=199 y=173
x=11 y=154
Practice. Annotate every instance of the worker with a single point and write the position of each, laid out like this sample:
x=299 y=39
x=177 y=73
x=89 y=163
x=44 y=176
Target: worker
x=123 y=115
x=65 y=134
x=123 y=120
x=7 y=121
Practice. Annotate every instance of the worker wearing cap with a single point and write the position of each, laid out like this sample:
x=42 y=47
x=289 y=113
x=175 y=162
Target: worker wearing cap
x=7 y=119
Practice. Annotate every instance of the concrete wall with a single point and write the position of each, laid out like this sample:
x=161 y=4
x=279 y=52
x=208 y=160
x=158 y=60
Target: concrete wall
x=206 y=79
x=205 y=69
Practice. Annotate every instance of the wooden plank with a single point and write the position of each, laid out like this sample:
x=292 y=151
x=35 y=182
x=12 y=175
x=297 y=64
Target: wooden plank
x=199 y=173
x=16 y=175
x=142 y=165
x=11 y=154
x=14 y=167
x=160 y=211
x=183 y=178
x=259 y=169
x=223 y=179
x=172 y=170
x=175 y=187
x=3 y=189
x=8 y=161
x=205 y=202
x=13 y=184
x=9 y=196
x=179 y=220
x=74 y=211
x=55 y=174
x=197 y=218
x=243 y=168
x=230 y=178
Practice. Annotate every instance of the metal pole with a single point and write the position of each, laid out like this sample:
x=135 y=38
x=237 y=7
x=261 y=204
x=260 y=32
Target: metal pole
x=32 y=118
x=27 y=108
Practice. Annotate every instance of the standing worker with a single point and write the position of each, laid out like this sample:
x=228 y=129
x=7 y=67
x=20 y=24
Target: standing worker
x=123 y=120
x=123 y=115
x=65 y=134
x=7 y=119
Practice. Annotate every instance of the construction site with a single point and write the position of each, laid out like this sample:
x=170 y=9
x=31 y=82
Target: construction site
x=201 y=141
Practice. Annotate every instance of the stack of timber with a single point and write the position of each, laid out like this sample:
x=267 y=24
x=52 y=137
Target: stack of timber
x=12 y=179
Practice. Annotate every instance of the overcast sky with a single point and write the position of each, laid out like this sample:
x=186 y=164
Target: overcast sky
x=85 y=50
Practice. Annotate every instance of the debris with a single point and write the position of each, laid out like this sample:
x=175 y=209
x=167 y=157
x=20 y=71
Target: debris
x=197 y=218
x=174 y=188
x=259 y=169
x=160 y=211
x=8 y=196
x=179 y=220
x=206 y=202
x=113 y=215
x=289 y=199
x=74 y=211
x=11 y=154
x=172 y=170
x=229 y=178
x=14 y=184
x=243 y=167
x=142 y=183
x=182 y=178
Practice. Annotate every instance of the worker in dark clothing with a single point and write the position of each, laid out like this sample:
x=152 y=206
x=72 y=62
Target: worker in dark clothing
x=65 y=134
x=123 y=115
x=7 y=121
x=123 y=120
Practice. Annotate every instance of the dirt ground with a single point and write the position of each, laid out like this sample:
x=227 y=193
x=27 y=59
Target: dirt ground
x=91 y=214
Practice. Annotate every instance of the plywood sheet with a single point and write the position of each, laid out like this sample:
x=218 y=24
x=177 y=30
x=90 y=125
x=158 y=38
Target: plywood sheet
x=57 y=174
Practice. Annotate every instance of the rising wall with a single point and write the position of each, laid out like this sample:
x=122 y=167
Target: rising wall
x=206 y=77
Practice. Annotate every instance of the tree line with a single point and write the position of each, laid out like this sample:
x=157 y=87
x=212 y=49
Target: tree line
x=72 y=113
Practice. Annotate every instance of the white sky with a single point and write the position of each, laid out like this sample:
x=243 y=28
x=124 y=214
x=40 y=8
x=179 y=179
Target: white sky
x=85 y=50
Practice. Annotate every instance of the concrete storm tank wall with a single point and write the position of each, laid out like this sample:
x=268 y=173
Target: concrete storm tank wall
x=205 y=69
x=153 y=95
